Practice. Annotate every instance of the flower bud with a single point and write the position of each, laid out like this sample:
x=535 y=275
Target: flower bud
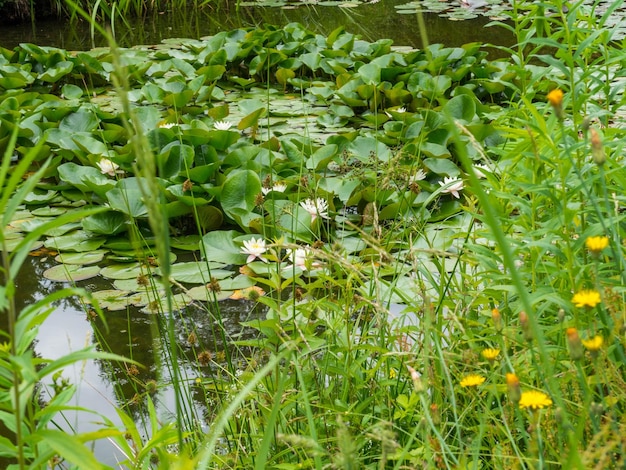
x=574 y=344
x=497 y=319
x=597 y=149
x=525 y=325
x=513 y=387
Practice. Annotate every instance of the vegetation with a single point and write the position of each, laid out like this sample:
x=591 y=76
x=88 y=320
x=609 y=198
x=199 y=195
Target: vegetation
x=435 y=240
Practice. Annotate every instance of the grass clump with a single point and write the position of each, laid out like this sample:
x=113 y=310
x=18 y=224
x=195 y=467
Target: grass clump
x=441 y=281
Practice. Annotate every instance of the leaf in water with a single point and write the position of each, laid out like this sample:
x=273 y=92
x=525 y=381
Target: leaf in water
x=203 y=294
x=79 y=241
x=220 y=247
x=105 y=223
x=112 y=299
x=71 y=273
x=239 y=195
x=81 y=258
x=128 y=201
x=197 y=272
x=123 y=271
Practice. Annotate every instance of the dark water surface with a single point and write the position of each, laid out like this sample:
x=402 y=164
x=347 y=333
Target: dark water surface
x=370 y=21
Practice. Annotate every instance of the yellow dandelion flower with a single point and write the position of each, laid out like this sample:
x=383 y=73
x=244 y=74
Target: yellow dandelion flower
x=596 y=244
x=593 y=344
x=472 y=380
x=586 y=298
x=555 y=97
x=534 y=400
x=490 y=354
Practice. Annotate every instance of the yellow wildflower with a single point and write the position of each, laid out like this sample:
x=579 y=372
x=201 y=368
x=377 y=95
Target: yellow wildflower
x=490 y=354
x=586 y=298
x=555 y=97
x=534 y=400
x=472 y=380
x=593 y=344
x=596 y=244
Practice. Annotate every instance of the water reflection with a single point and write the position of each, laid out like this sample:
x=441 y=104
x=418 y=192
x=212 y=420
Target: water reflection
x=102 y=386
x=371 y=21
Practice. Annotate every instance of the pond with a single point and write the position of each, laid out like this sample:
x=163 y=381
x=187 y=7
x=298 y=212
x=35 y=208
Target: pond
x=131 y=332
x=371 y=21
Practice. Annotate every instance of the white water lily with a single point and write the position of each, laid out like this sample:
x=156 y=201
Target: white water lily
x=278 y=187
x=222 y=125
x=302 y=258
x=401 y=110
x=167 y=125
x=452 y=186
x=107 y=167
x=254 y=248
x=481 y=170
x=316 y=207
x=418 y=176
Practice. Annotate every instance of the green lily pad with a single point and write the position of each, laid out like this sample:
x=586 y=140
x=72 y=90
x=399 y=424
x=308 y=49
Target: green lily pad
x=202 y=294
x=81 y=258
x=123 y=271
x=196 y=272
x=113 y=299
x=71 y=273
x=133 y=285
x=11 y=244
x=78 y=241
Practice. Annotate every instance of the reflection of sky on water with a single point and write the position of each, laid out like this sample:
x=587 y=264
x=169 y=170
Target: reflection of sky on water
x=102 y=385
x=371 y=21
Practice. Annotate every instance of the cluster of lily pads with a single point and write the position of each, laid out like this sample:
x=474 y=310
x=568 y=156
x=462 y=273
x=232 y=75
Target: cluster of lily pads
x=280 y=132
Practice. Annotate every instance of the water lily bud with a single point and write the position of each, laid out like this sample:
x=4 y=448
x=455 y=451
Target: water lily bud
x=597 y=149
x=525 y=325
x=574 y=344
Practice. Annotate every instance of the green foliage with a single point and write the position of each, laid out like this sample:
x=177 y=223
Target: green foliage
x=421 y=269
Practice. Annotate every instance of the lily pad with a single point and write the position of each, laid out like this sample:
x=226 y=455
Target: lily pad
x=196 y=272
x=71 y=273
x=202 y=294
x=81 y=258
x=112 y=299
x=78 y=241
x=123 y=271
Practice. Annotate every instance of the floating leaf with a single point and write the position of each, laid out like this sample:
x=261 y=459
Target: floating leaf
x=71 y=273
x=81 y=258
x=123 y=271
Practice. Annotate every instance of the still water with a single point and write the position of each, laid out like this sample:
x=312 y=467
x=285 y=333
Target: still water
x=371 y=21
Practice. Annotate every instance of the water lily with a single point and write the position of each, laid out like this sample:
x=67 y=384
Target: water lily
x=107 y=166
x=301 y=258
x=222 y=125
x=481 y=170
x=418 y=176
x=452 y=186
x=254 y=248
x=278 y=187
x=316 y=207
